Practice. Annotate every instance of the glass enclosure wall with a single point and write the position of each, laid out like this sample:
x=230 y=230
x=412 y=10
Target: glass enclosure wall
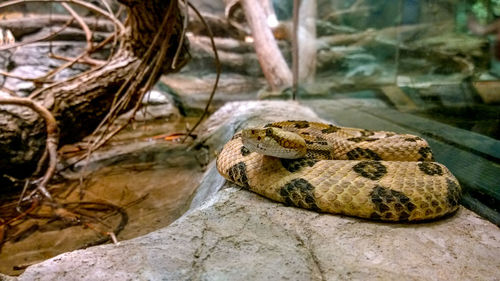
x=429 y=68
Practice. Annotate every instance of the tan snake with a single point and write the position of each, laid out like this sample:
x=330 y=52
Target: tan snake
x=368 y=174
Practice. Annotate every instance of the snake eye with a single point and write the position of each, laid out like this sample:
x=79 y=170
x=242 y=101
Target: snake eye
x=269 y=132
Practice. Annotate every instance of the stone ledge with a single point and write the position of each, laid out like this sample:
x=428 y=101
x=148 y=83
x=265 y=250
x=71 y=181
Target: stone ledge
x=233 y=234
x=238 y=235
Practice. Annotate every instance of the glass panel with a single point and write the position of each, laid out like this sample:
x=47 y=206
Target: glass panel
x=429 y=68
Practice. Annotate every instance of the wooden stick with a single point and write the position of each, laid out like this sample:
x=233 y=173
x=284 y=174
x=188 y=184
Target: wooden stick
x=85 y=27
x=44 y=38
x=274 y=66
x=295 y=48
x=217 y=69
x=77 y=2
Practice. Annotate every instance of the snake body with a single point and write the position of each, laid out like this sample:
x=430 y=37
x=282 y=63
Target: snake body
x=369 y=174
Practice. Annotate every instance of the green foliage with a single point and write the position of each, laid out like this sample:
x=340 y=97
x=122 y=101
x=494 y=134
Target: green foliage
x=480 y=11
x=495 y=7
x=485 y=10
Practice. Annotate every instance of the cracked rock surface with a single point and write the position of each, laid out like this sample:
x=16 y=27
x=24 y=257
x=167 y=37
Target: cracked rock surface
x=239 y=235
x=233 y=234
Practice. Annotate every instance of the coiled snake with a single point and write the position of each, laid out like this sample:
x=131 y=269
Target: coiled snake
x=326 y=168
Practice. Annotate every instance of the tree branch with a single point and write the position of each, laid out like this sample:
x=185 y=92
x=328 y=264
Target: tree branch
x=51 y=141
x=274 y=66
x=77 y=2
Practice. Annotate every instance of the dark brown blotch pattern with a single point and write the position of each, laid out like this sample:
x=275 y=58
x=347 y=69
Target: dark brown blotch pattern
x=366 y=133
x=362 y=139
x=310 y=143
x=238 y=174
x=299 y=193
x=454 y=192
x=293 y=165
x=273 y=126
x=359 y=153
x=430 y=168
x=425 y=154
x=330 y=130
x=323 y=154
x=413 y=139
x=301 y=124
x=244 y=151
x=373 y=170
x=390 y=204
x=321 y=141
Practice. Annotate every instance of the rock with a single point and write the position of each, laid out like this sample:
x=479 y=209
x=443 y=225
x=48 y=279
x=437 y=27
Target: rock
x=6 y=278
x=213 y=7
x=241 y=236
x=488 y=91
x=234 y=234
x=191 y=91
x=33 y=61
x=68 y=34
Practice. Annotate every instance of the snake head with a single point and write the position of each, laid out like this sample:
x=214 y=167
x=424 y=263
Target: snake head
x=274 y=142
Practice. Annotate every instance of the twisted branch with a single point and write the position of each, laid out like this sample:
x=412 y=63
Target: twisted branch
x=51 y=142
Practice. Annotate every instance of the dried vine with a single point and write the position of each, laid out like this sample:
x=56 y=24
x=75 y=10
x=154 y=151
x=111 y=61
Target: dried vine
x=147 y=67
x=217 y=69
x=50 y=143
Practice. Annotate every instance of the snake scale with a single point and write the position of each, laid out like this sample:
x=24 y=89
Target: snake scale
x=369 y=174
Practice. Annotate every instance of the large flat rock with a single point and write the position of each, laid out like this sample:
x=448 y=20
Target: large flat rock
x=239 y=235
x=233 y=234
